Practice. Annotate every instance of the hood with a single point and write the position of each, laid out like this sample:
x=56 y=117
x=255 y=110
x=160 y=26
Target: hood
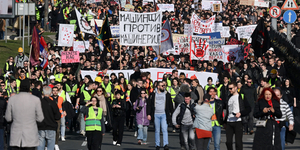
x=184 y=88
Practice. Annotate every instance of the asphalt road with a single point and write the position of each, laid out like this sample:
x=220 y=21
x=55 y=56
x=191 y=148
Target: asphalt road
x=76 y=142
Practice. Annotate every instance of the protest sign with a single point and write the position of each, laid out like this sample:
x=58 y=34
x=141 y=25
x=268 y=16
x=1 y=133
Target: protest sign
x=215 y=6
x=145 y=2
x=70 y=57
x=188 y=29
x=202 y=26
x=140 y=29
x=198 y=47
x=215 y=49
x=157 y=74
x=128 y=7
x=166 y=7
x=233 y=52
x=93 y=1
x=98 y=21
x=234 y=42
x=225 y=32
x=184 y=45
x=65 y=37
x=245 y=31
x=174 y=51
x=247 y=2
x=125 y=2
x=176 y=37
x=80 y=46
x=213 y=35
x=261 y=3
x=115 y=31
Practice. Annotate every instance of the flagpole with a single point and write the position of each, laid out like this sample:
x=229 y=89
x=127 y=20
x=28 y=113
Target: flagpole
x=29 y=71
x=120 y=56
x=146 y=51
x=159 y=50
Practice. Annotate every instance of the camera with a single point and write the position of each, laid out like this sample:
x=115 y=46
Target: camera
x=140 y=109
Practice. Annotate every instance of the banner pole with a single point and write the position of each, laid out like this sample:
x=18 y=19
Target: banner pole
x=120 y=46
x=146 y=51
x=29 y=71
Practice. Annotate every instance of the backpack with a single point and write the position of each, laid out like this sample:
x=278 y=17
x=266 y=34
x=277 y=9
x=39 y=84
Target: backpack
x=183 y=107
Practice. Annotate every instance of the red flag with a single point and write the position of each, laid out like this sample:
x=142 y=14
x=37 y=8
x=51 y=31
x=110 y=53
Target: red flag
x=35 y=50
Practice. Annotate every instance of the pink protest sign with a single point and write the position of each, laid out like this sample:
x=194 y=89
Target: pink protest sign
x=70 y=57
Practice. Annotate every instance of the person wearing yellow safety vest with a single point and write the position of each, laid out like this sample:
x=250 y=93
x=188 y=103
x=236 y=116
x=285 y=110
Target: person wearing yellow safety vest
x=12 y=87
x=10 y=66
x=209 y=84
x=88 y=15
x=85 y=97
x=107 y=86
x=94 y=123
x=59 y=75
x=71 y=87
x=223 y=91
x=174 y=75
x=273 y=78
x=65 y=97
x=22 y=78
x=66 y=12
x=217 y=120
x=119 y=112
x=129 y=105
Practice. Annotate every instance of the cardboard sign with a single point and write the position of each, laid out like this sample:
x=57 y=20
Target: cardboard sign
x=140 y=29
x=217 y=7
x=65 y=37
x=70 y=57
x=80 y=46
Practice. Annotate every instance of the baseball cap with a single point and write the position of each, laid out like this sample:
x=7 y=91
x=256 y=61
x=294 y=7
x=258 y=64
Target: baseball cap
x=271 y=49
x=273 y=71
x=52 y=77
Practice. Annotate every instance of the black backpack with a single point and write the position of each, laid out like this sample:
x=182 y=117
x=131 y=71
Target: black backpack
x=183 y=107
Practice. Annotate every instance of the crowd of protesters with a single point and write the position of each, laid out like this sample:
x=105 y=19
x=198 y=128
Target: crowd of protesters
x=257 y=87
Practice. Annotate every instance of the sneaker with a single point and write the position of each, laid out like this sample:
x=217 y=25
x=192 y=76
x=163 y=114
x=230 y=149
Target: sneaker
x=251 y=132
x=182 y=148
x=144 y=143
x=56 y=147
x=139 y=142
x=45 y=148
x=118 y=144
x=114 y=142
x=174 y=131
x=82 y=132
x=166 y=147
x=63 y=139
x=157 y=147
x=135 y=134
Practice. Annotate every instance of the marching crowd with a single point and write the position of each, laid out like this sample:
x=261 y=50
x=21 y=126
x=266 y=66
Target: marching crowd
x=58 y=97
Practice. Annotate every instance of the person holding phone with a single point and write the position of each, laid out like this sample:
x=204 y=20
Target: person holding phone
x=94 y=124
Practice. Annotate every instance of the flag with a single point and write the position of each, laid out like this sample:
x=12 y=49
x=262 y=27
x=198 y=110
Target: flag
x=166 y=39
x=35 y=50
x=105 y=34
x=83 y=24
x=44 y=53
x=100 y=43
x=260 y=39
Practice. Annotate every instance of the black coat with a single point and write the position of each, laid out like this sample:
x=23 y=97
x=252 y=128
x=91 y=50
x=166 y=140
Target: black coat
x=2 y=111
x=51 y=114
x=263 y=135
x=169 y=109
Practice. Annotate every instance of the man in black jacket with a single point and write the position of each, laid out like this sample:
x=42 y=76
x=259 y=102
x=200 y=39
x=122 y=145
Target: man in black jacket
x=2 y=111
x=161 y=107
x=47 y=128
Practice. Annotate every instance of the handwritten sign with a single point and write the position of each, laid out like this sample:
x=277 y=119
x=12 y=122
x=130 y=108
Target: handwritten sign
x=65 y=37
x=233 y=52
x=98 y=21
x=245 y=32
x=215 y=49
x=80 y=46
x=140 y=29
x=202 y=26
x=70 y=57
x=188 y=29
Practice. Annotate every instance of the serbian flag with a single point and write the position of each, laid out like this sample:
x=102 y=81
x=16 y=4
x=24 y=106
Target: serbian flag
x=44 y=53
x=100 y=42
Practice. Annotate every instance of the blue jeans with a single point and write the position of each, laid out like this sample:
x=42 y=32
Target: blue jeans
x=282 y=137
x=2 y=33
x=1 y=139
x=62 y=126
x=188 y=136
x=82 y=122
x=49 y=136
x=160 y=120
x=216 y=133
x=142 y=132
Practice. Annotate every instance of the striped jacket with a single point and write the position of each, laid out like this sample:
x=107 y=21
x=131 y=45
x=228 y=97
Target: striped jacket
x=286 y=112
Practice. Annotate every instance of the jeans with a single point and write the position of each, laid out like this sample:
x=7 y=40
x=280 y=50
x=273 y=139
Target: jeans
x=49 y=136
x=249 y=125
x=160 y=120
x=188 y=136
x=237 y=129
x=282 y=137
x=57 y=131
x=82 y=122
x=142 y=132
x=216 y=133
x=1 y=139
x=2 y=33
x=62 y=126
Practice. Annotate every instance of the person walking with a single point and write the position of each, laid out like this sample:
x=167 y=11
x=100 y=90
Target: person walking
x=183 y=118
x=24 y=111
x=266 y=109
x=202 y=124
x=141 y=117
x=236 y=109
x=119 y=112
x=59 y=101
x=160 y=107
x=47 y=128
x=94 y=123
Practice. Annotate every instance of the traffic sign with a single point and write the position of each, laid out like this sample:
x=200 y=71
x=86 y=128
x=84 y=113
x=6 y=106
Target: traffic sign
x=289 y=16
x=275 y=12
x=290 y=5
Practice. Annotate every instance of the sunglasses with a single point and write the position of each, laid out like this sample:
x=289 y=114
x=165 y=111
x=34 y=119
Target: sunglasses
x=249 y=82
x=2 y=85
x=99 y=90
x=230 y=88
x=143 y=93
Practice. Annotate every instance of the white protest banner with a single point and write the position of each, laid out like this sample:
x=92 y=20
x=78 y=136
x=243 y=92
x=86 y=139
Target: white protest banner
x=165 y=7
x=140 y=29
x=245 y=31
x=93 y=1
x=184 y=45
x=198 y=47
x=115 y=31
x=188 y=29
x=261 y=3
x=157 y=74
x=233 y=52
x=225 y=32
x=215 y=49
x=80 y=46
x=65 y=37
x=145 y=2
x=202 y=26
x=98 y=21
